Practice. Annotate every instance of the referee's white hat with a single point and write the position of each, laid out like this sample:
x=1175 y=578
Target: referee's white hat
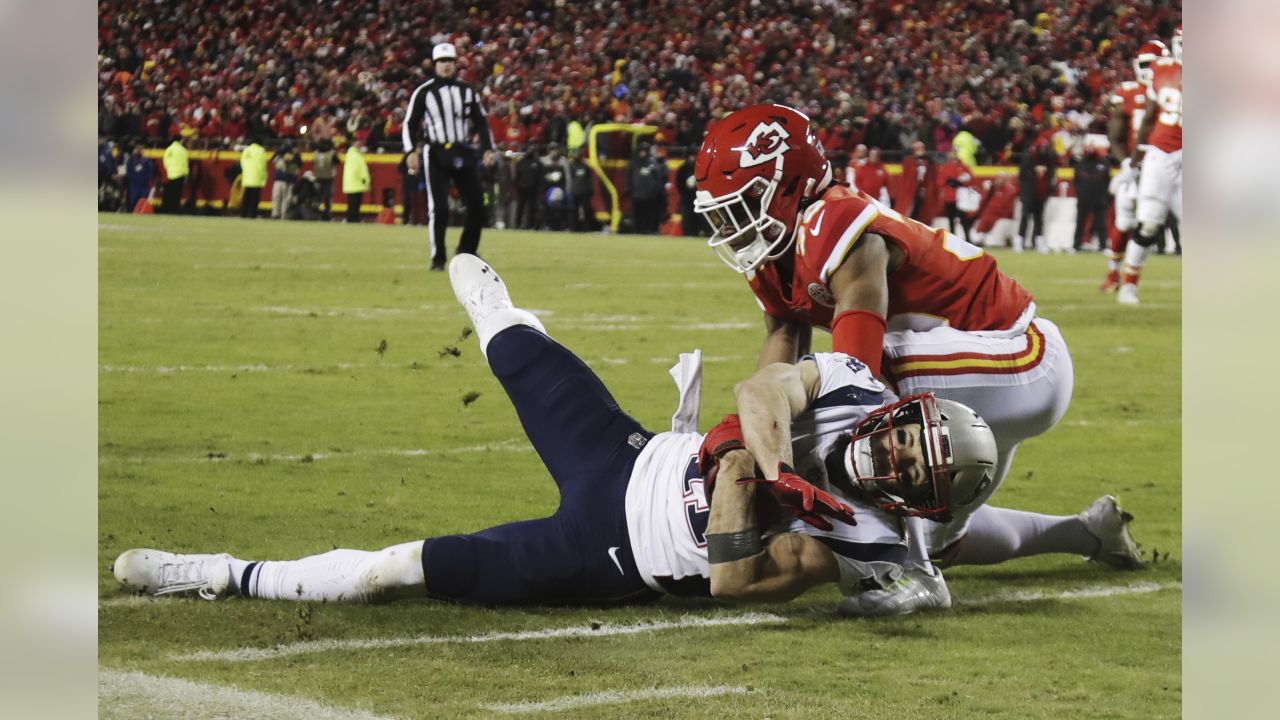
x=444 y=51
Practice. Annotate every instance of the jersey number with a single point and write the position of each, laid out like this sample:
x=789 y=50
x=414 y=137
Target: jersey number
x=696 y=509
x=1170 y=101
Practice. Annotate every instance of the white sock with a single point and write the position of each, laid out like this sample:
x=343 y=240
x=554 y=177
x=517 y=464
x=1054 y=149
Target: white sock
x=335 y=576
x=998 y=534
x=502 y=319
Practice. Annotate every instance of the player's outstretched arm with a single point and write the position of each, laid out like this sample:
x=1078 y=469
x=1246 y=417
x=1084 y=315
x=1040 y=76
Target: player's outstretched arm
x=785 y=341
x=767 y=402
x=744 y=568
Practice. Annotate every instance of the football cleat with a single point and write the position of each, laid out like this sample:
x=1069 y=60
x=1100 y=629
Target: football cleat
x=1128 y=294
x=1109 y=523
x=477 y=287
x=155 y=572
x=914 y=590
x=1112 y=283
x=484 y=296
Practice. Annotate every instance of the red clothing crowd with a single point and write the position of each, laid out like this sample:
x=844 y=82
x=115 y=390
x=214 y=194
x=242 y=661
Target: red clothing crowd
x=868 y=72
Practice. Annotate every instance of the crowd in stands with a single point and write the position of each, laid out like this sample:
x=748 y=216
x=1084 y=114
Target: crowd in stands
x=884 y=74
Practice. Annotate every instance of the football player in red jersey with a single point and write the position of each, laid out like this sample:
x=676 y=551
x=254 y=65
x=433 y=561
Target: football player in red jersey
x=1160 y=153
x=818 y=254
x=1128 y=110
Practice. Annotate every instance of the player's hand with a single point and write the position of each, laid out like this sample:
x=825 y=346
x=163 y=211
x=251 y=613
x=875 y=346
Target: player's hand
x=721 y=439
x=805 y=500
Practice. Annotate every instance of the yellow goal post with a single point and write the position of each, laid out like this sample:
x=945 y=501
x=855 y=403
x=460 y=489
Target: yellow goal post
x=615 y=162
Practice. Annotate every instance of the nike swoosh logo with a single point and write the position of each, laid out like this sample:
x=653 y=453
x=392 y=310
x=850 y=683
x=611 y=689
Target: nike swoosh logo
x=816 y=226
x=613 y=555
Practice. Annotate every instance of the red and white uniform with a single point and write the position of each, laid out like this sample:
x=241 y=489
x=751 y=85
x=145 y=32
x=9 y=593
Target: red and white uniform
x=945 y=280
x=1131 y=97
x=957 y=325
x=1160 y=185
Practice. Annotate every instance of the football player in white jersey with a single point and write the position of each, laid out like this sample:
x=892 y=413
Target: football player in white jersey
x=635 y=519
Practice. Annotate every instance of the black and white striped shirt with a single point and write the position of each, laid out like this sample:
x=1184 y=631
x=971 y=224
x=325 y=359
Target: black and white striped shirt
x=444 y=111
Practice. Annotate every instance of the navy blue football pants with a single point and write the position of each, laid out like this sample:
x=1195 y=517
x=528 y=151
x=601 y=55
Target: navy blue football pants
x=582 y=553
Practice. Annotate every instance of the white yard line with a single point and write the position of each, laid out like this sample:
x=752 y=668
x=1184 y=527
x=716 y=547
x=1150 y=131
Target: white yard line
x=593 y=630
x=253 y=368
x=1049 y=310
x=615 y=697
x=519 y=445
x=356 y=312
x=1097 y=591
x=138 y=695
x=1163 y=284
x=131 y=601
x=1125 y=423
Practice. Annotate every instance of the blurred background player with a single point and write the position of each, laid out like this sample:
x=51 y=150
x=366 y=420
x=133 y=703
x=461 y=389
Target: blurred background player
x=1128 y=110
x=1160 y=180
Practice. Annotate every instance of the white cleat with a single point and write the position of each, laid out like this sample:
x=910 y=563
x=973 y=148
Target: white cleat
x=484 y=296
x=155 y=572
x=477 y=287
x=1109 y=523
x=1128 y=294
x=914 y=590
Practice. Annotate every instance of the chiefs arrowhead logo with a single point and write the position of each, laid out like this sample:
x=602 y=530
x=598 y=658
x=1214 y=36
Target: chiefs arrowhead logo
x=766 y=142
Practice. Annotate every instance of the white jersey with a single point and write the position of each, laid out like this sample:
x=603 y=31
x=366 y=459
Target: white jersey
x=666 y=506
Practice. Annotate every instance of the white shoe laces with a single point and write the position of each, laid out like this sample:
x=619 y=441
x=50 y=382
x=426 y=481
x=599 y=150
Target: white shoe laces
x=184 y=577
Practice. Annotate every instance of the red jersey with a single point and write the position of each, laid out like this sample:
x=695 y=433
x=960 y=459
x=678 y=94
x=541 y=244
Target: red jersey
x=1131 y=97
x=944 y=279
x=1166 y=96
x=871 y=178
x=953 y=170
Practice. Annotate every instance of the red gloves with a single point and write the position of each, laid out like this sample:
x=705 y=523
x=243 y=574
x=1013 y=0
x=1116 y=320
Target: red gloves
x=799 y=496
x=805 y=500
x=719 y=440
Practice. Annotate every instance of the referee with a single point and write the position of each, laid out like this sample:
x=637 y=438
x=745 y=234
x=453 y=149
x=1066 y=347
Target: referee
x=444 y=115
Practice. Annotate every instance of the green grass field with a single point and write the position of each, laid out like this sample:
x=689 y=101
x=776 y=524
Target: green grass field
x=244 y=407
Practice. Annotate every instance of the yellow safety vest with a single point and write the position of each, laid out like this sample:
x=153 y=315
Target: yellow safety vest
x=253 y=166
x=176 y=161
x=355 y=172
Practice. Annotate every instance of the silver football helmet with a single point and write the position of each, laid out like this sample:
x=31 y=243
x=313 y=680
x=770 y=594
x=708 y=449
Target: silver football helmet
x=973 y=453
x=956 y=446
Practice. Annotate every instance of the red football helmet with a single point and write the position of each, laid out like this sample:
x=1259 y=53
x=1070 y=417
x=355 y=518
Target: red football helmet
x=756 y=170
x=1148 y=54
x=1176 y=43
